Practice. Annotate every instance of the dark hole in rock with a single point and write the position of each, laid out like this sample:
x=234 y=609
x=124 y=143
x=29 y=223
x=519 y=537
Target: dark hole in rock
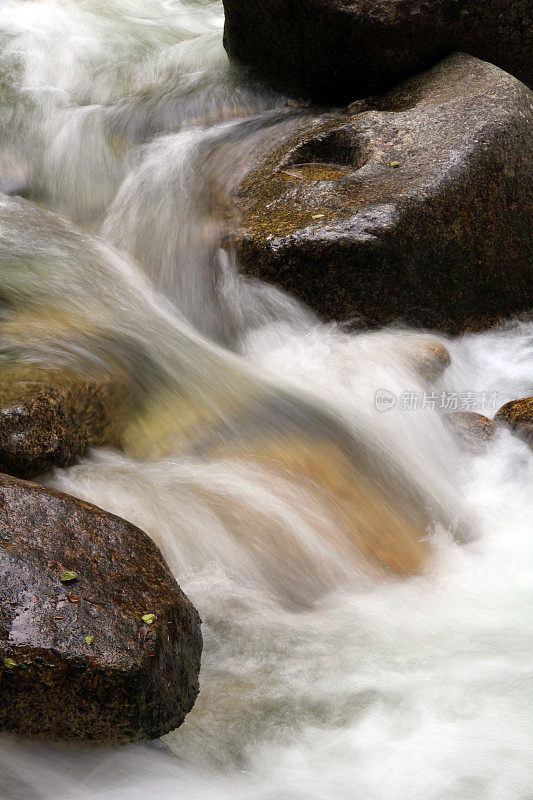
x=341 y=146
x=327 y=157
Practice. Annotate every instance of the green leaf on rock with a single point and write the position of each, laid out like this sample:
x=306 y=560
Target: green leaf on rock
x=68 y=575
x=395 y=164
x=9 y=663
x=148 y=618
x=89 y=639
x=318 y=216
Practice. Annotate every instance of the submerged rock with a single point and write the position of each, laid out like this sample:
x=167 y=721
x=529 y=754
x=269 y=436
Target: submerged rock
x=14 y=176
x=97 y=640
x=337 y=50
x=430 y=360
x=518 y=415
x=416 y=205
x=50 y=419
x=472 y=429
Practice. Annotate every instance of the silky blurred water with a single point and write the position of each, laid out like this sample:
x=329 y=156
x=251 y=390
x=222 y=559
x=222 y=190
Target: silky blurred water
x=320 y=680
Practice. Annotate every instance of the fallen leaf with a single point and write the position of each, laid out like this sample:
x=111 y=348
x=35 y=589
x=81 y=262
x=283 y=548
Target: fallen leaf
x=318 y=216
x=148 y=618
x=89 y=639
x=395 y=163
x=9 y=663
x=68 y=575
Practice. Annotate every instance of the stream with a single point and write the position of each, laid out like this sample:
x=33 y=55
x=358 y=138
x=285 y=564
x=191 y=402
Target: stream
x=122 y=126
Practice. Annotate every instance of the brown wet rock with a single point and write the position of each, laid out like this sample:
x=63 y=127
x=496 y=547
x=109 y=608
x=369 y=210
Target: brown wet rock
x=473 y=430
x=49 y=419
x=337 y=50
x=133 y=680
x=518 y=415
x=428 y=218
x=430 y=359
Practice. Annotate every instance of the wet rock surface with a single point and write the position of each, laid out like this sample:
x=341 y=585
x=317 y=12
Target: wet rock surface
x=77 y=661
x=338 y=50
x=415 y=205
x=430 y=360
x=50 y=419
x=473 y=430
x=518 y=415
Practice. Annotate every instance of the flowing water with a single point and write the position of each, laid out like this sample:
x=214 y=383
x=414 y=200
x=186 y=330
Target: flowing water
x=125 y=129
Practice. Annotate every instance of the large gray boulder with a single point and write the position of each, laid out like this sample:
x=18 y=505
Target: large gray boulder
x=415 y=205
x=338 y=50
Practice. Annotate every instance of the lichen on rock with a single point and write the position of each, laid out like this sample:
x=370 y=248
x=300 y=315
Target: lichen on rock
x=441 y=240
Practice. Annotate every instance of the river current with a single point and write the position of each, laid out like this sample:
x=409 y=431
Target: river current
x=121 y=120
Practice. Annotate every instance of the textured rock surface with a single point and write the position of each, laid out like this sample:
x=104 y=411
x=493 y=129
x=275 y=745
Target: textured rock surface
x=418 y=206
x=344 y=49
x=134 y=680
x=472 y=429
x=518 y=415
x=48 y=420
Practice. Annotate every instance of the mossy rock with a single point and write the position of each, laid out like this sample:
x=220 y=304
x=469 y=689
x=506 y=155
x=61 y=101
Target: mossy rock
x=425 y=218
x=518 y=415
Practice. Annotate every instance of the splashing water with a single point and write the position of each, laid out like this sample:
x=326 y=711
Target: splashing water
x=320 y=679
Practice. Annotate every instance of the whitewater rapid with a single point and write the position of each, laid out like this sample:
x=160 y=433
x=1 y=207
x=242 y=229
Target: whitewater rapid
x=320 y=681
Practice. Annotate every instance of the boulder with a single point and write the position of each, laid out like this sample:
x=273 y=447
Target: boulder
x=416 y=205
x=518 y=415
x=110 y=655
x=338 y=50
x=473 y=430
x=50 y=419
